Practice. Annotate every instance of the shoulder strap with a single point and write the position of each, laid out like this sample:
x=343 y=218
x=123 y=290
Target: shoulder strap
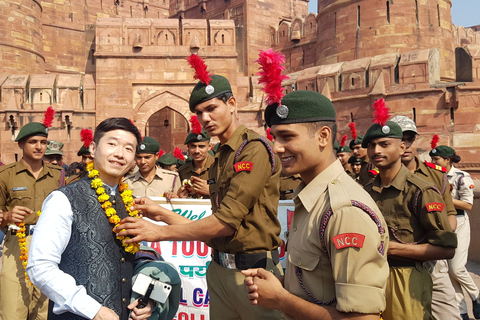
x=265 y=143
x=62 y=179
x=460 y=180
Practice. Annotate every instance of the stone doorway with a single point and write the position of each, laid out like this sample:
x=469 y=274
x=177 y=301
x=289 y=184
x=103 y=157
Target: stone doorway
x=169 y=128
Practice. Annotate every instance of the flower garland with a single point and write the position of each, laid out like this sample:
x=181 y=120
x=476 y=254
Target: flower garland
x=110 y=212
x=22 y=243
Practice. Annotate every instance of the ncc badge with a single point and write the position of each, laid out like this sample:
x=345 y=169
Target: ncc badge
x=142 y=147
x=345 y=240
x=435 y=206
x=209 y=89
x=243 y=166
x=385 y=129
x=199 y=137
x=282 y=111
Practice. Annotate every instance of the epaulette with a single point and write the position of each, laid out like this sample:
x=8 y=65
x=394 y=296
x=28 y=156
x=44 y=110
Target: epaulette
x=53 y=166
x=436 y=167
x=7 y=166
x=373 y=172
x=170 y=172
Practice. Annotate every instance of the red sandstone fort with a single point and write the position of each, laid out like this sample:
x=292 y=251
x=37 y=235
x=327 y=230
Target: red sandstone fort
x=93 y=59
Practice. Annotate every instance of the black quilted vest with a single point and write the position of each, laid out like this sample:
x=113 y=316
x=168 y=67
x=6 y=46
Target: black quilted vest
x=94 y=257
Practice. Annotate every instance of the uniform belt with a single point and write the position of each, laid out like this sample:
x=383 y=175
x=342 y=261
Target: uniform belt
x=401 y=263
x=460 y=212
x=28 y=230
x=243 y=261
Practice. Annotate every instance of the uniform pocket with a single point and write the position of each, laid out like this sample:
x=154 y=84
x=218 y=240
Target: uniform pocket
x=304 y=260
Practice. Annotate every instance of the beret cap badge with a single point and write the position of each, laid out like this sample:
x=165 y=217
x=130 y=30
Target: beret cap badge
x=386 y=129
x=282 y=111
x=142 y=146
x=199 y=137
x=209 y=89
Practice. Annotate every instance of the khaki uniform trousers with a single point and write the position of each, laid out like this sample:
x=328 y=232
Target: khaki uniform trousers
x=18 y=299
x=228 y=298
x=408 y=294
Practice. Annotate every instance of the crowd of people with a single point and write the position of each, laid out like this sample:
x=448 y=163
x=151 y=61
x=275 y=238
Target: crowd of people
x=376 y=232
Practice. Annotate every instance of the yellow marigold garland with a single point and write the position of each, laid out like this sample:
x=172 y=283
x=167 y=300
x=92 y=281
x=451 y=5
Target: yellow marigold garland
x=22 y=243
x=110 y=212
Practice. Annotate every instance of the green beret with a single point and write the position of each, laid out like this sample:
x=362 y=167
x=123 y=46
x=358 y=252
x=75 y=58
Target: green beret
x=336 y=145
x=300 y=107
x=148 y=145
x=345 y=148
x=167 y=159
x=389 y=130
x=354 y=159
x=54 y=147
x=442 y=151
x=83 y=151
x=357 y=141
x=192 y=137
x=201 y=93
x=32 y=129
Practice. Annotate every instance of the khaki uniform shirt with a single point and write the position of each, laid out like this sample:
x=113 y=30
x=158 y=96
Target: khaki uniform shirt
x=353 y=273
x=438 y=179
x=246 y=197
x=462 y=185
x=368 y=172
x=423 y=220
x=288 y=184
x=18 y=187
x=163 y=181
x=188 y=170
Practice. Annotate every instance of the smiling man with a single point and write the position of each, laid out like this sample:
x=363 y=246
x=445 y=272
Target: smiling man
x=150 y=180
x=416 y=218
x=337 y=235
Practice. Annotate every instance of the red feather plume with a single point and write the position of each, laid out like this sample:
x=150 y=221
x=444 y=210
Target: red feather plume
x=200 y=68
x=177 y=153
x=48 y=119
x=86 y=136
x=342 y=142
x=380 y=112
x=161 y=153
x=434 y=141
x=353 y=130
x=271 y=66
x=269 y=136
x=196 y=126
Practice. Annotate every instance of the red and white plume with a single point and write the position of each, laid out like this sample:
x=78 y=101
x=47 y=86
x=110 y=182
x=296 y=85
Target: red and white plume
x=48 y=119
x=177 y=153
x=434 y=141
x=200 y=68
x=342 y=142
x=380 y=112
x=271 y=66
x=86 y=136
x=196 y=126
x=353 y=130
x=269 y=135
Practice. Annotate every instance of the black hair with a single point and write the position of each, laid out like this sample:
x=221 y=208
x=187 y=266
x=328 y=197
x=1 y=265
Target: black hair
x=72 y=169
x=313 y=127
x=225 y=96
x=454 y=159
x=111 y=124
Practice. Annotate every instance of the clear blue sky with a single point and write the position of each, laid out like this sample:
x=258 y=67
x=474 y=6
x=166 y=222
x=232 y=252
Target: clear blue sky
x=464 y=12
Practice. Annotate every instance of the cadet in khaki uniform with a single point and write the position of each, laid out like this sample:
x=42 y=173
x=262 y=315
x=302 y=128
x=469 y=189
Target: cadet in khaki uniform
x=149 y=180
x=23 y=187
x=196 y=171
x=343 y=154
x=243 y=229
x=356 y=165
x=462 y=194
x=368 y=170
x=443 y=295
x=337 y=266
x=416 y=218
x=288 y=184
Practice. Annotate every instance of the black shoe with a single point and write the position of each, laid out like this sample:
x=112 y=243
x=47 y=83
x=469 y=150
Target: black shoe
x=464 y=316
x=476 y=308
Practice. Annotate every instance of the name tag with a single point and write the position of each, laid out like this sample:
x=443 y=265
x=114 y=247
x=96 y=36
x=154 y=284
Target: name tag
x=345 y=240
x=211 y=181
x=20 y=189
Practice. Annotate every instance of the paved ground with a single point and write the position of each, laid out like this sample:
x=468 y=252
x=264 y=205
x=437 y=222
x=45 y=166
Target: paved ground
x=474 y=268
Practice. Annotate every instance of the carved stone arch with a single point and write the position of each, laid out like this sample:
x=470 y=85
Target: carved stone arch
x=166 y=37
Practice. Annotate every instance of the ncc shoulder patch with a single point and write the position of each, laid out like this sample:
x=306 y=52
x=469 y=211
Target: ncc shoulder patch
x=243 y=166
x=345 y=240
x=436 y=167
x=434 y=206
x=373 y=172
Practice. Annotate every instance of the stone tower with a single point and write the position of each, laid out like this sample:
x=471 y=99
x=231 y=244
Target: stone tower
x=21 y=43
x=349 y=30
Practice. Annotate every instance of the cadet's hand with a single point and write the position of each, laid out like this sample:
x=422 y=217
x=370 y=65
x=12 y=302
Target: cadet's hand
x=140 y=314
x=17 y=214
x=170 y=195
x=263 y=288
x=140 y=229
x=106 y=314
x=200 y=186
x=182 y=192
x=147 y=208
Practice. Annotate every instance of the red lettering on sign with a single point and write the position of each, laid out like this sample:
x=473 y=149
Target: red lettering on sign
x=435 y=206
x=243 y=166
x=345 y=240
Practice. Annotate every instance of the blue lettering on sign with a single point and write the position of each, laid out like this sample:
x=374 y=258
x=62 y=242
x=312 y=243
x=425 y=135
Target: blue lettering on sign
x=183 y=301
x=188 y=214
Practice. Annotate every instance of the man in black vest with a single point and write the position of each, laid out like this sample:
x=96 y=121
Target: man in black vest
x=75 y=258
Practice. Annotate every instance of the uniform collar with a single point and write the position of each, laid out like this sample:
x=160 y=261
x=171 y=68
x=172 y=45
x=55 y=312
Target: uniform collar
x=158 y=173
x=452 y=171
x=399 y=182
x=309 y=194
x=421 y=167
x=237 y=138
x=21 y=166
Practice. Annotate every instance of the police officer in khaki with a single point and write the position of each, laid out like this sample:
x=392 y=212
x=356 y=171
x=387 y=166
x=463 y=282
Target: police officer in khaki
x=194 y=174
x=149 y=180
x=243 y=229
x=336 y=251
x=417 y=222
x=23 y=187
